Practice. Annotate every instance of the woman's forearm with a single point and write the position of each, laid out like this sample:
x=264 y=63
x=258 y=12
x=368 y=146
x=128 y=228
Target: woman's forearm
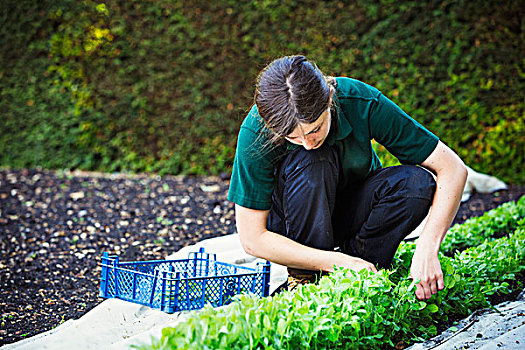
x=284 y=251
x=450 y=182
x=259 y=242
x=451 y=176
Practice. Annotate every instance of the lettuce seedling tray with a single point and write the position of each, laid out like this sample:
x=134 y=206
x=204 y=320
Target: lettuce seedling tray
x=176 y=285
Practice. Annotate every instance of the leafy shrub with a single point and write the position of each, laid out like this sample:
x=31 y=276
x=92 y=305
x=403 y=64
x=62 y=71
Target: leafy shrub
x=163 y=85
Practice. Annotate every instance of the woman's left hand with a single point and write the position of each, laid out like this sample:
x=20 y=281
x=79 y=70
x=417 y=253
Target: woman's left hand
x=426 y=268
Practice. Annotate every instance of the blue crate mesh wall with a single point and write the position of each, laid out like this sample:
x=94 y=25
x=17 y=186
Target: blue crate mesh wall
x=174 y=285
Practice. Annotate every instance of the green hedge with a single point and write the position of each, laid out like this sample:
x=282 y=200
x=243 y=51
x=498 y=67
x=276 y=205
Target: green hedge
x=163 y=85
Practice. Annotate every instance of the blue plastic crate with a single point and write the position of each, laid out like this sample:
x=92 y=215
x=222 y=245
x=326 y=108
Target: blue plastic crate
x=175 y=285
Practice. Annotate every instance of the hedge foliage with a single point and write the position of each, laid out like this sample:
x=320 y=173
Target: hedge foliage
x=163 y=85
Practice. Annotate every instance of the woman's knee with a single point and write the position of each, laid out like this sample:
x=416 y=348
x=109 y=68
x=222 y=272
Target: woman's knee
x=301 y=157
x=421 y=183
x=315 y=166
x=416 y=192
x=414 y=182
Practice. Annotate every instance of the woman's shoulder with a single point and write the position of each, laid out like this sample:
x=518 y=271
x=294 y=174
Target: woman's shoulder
x=253 y=121
x=251 y=129
x=349 y=88
x=254 y=140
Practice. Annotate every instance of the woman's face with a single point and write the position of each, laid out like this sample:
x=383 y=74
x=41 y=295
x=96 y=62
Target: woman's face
x=312 y=135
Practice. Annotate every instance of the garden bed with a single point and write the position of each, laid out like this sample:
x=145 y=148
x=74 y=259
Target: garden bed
x=55 y=225
x=349 y=310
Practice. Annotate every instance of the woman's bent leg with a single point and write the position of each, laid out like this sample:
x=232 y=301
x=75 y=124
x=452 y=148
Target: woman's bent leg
x=389 y=205
x=304 y=197
x=303 y=202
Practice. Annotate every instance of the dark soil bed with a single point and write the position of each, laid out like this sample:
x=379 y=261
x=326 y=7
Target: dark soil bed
x=54 y=227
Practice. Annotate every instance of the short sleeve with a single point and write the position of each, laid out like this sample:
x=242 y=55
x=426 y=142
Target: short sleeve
x=401 y=135
x=252 y=180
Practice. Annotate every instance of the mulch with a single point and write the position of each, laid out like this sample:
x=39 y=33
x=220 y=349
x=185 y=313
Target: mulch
x=55 y=225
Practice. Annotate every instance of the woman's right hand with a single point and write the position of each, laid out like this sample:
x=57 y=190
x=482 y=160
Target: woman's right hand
x=354 y=263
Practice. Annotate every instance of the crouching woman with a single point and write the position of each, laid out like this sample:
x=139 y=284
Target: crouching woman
x=310 y=192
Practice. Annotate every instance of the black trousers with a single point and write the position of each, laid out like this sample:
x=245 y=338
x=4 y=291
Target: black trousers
x=368 y=220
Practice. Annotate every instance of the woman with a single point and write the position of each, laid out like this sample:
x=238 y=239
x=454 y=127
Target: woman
x=309 y=189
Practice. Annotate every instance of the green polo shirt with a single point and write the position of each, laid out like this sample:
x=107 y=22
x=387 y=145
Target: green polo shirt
x=363 y=114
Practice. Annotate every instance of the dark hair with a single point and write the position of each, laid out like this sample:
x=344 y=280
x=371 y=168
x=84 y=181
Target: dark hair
x=291 y=90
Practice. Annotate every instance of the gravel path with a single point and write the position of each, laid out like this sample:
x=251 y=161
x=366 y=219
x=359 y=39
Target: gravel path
x=54 y=227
